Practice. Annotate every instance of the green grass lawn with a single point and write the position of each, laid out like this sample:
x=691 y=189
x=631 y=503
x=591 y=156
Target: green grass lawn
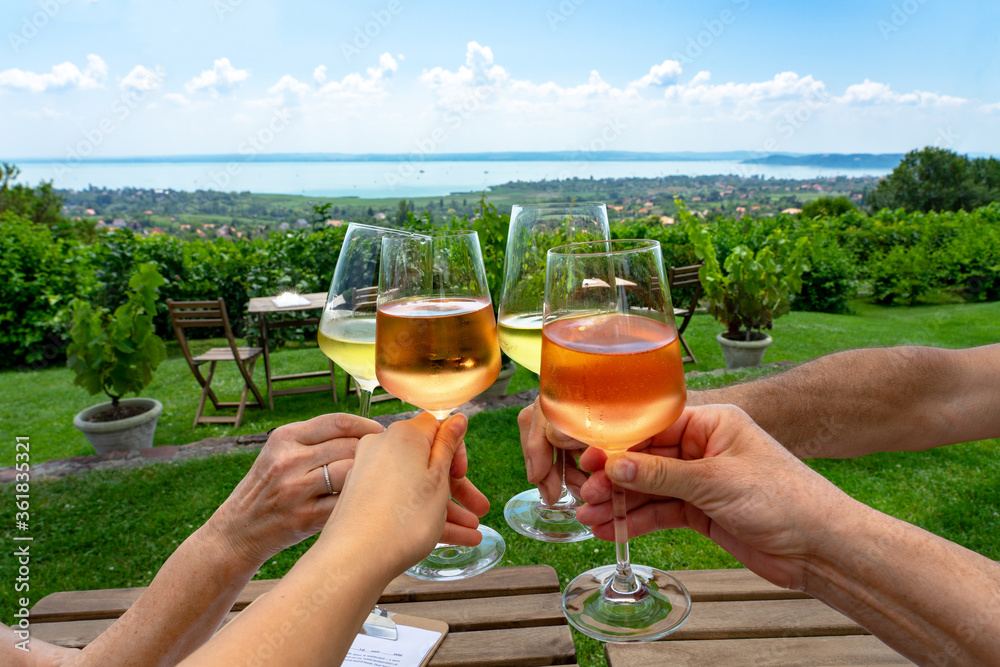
x=114 y=528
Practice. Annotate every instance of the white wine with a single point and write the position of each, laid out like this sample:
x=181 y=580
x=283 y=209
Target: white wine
x=521 y=339
x=437 y=353
x=350 y=343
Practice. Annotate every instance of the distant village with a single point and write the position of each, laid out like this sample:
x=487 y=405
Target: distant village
x=209 y=214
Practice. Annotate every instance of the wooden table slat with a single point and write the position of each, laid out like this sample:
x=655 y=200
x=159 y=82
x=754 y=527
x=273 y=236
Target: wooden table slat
x=500 y=581
x=527 y=647
x=773 y=652
x=764 y=618
x=733 y=584
x=512 y=611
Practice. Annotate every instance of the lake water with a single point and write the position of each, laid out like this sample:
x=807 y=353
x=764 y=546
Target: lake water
x=378 y=179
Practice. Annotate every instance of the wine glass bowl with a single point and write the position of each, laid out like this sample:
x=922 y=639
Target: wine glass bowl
x=534 y=229
x=611 y=377
x=347 y=326
x=436 y=347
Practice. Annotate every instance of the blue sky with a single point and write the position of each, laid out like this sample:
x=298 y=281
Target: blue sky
x=98 y=78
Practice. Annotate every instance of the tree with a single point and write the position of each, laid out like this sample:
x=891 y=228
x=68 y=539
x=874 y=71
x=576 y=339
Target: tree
x=41 y=205
x=937 y=179
x=827 y=207
x=401 y=212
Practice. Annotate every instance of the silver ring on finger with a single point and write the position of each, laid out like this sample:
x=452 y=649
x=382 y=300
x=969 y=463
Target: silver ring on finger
x=326 y=476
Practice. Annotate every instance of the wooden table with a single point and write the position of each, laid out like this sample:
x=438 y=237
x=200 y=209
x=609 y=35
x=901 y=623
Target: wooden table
x=263 y=307
x=508 y=616
x=737 y=618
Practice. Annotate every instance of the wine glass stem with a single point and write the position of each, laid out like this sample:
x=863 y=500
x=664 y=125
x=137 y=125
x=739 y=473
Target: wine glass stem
x=365 y=398
x=564 y=496
x=624 y=581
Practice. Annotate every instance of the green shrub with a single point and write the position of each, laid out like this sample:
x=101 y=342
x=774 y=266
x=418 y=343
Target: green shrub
x=830 y=281
x=39 y=275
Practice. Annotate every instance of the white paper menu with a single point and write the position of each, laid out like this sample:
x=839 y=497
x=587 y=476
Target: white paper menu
x=410 y=649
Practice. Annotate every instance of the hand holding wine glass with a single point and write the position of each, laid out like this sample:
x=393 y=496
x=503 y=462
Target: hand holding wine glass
x=612 y=377
x=436 y=347
x=534 y=229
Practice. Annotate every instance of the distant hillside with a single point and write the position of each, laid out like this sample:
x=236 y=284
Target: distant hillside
x=832 y=160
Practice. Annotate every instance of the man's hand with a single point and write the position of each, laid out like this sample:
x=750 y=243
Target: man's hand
x=717 y=472
x=538 y=438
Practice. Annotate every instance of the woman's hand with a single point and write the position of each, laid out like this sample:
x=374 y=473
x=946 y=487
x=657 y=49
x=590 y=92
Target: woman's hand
x=396 y=499
x=284 y=498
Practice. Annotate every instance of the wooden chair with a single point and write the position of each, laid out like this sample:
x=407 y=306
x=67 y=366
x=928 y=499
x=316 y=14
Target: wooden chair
x=680 y=277
x=186 y=315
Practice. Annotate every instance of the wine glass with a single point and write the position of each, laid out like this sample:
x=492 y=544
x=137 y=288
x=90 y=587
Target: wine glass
x=436 y=347
x=534 y=228
x=347 y=327
x=612 y=377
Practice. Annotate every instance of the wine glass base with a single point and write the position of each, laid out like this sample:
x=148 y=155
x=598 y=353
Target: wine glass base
x=663 y=609
x=525 y=514
x=448 y=562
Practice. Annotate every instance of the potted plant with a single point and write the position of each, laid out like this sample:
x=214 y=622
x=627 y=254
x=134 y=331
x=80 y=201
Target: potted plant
x=117 y=353
x=749 y=289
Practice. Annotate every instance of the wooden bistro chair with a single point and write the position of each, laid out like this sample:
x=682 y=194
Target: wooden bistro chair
x=186 y=315
x=685 y=276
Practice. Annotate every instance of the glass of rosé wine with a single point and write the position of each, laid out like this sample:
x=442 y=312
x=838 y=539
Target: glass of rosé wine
x=436 y=348
x=611 y=377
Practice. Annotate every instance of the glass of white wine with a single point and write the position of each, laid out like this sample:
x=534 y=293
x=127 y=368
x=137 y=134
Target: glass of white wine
x=347 y=326
x=436 y=347
x=347 y=332
x=534 y=228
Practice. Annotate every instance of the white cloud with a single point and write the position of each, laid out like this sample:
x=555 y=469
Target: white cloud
x=319 y=74
x=784 y=86
x=873 y=92
x=480 y=82
x=370 y=85
x=659 y=75
x=222 y=78
x=142 y=79
x=177 y=99
x=290 y=85
x=479 y=71
x=63 y=76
